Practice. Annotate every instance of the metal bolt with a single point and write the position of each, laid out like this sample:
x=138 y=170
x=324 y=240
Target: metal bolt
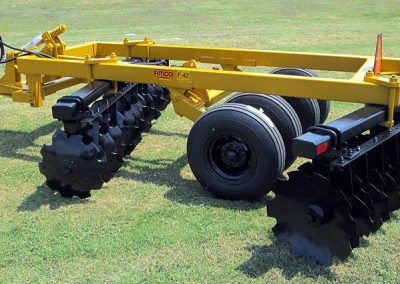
x=310 y=218
x=315 y=215
x=369 y=73
x=341 y=159
x=67 y=171
x=375 y=139
x=231 y=155
x=358 y=148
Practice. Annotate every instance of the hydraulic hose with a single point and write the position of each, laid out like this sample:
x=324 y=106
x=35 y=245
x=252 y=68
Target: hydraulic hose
x=23 y=52
x=2 y=53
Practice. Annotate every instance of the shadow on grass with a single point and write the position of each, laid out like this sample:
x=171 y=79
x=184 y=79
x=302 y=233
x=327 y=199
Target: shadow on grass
x=167 y=172
x=395 y=216
x=44 y=196
x=163 y=172
x=154 y=131
x=12 y=142
x=277 y=256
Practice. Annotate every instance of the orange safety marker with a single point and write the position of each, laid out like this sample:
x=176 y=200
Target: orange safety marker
x=378 y=56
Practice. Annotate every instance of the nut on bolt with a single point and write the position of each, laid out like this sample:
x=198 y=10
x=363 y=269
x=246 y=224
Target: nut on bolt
x=369 y=74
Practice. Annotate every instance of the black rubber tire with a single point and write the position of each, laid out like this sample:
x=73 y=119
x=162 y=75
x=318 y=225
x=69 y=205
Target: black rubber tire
x=324 y=105
x=307 y=110
x=280 y=112
x=324 y=109
x=264 y=158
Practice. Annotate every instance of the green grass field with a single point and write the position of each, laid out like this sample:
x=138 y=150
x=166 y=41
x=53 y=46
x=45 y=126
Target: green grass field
x=153 y=222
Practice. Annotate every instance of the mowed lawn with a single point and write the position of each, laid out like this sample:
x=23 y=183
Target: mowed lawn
x=153 y=222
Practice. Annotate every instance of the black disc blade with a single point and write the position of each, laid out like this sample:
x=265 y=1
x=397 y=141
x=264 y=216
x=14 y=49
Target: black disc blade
x=388 y=185
x=362 y=215
x=71 y=162
x=312 y=218
x=362 y=208
x=380 y=207
x=109 y=147
x=66 y=190
x=393 y=192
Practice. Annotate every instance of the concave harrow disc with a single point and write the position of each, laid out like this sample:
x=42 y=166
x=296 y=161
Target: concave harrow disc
x=324 y=208
x=75 y=163
x=317 y=223
x=107 y=142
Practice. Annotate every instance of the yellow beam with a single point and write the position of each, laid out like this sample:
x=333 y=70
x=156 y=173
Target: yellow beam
x=188 y=78
x=232 y=56
x=194 y=89
x=7 y=90
x=60 y=84
x=82 y=49
x=391 y=65
x=367 y=66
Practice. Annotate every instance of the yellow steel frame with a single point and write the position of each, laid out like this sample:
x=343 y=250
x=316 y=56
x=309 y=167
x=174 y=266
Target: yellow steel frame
x=195 y=88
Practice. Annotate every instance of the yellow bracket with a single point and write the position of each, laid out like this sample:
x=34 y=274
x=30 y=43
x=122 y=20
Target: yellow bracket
x=12 y=75
x=54 y=46
x=193 y=102
x=207 y=96
x=393 y=100
x=93 y=61
x=112 y=59
x=34 y=96
x=147 y=42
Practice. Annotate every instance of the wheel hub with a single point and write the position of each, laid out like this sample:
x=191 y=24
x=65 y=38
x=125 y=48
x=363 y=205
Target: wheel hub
x=70 y=169
x=315 y=214
x=234 y=154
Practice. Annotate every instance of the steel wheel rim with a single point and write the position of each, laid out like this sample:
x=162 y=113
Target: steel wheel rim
x=230 y=157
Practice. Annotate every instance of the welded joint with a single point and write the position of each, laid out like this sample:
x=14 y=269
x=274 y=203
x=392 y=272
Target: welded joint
x=111 y=59
x=11 y=72
x=89 y=61
x=391 y=82
x=53 y=44
x=366 y=147
x=206 y=96
x=146 y=42
x=230 y=67
x=35 y=92
x=393 y=99
x=187 y=104
x=393 y=94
